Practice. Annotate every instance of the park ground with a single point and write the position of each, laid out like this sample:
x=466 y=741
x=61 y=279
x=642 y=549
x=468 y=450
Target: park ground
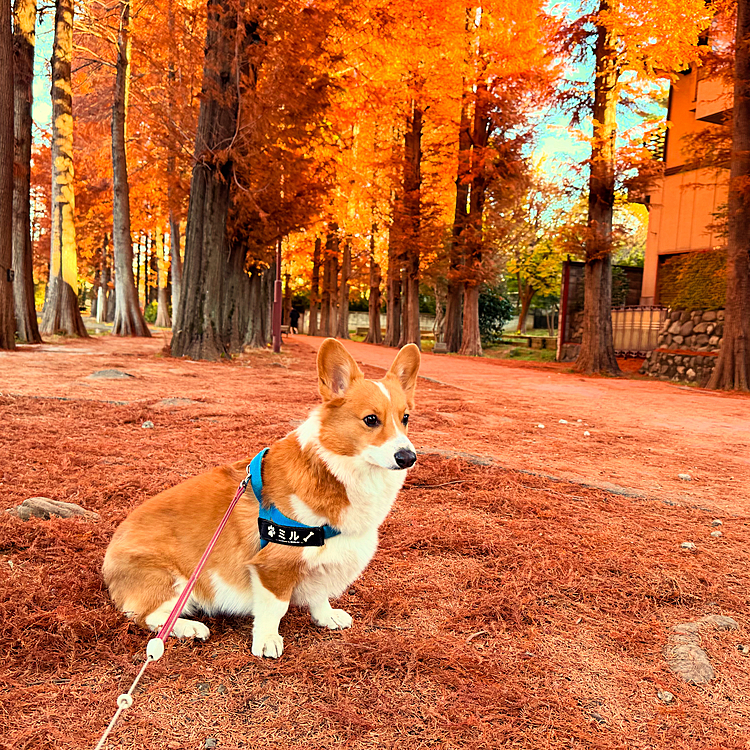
x=523 y=594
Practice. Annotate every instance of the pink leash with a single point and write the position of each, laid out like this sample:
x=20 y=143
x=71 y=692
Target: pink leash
x=166 y=629
x=155 y=647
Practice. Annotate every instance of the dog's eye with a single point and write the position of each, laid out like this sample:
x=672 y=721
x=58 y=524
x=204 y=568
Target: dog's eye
x=405 y=420
x=371 y=420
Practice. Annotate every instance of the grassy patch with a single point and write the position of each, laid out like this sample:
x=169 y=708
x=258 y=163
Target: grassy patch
x=521 y=353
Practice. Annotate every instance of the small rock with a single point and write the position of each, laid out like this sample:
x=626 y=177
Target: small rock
x=720 y=622
x=684 y=477
x=665 y=695
x=176 y=401
x=221 y=690
x=716 y=534
x=586 y=433
x=540 y=426
x=210 y=743
x=717 y=522
x=563 y=421
x=744 y=649
x=44 y=508
x=110 y=375
x=203 y=688
x=597 y=717
x=688 y=545
x=148 y=425
x=579 y=420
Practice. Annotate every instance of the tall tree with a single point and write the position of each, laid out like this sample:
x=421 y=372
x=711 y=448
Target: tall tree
x=646 y=41
x=61 y=313
x=312 y=326
x=471 y=342
x=374 y=333
x=162 y=300
x=200 y=331
x=24 y=24
x=129 y=320
x=393 y=295
x=411 y=223
x=597 y=346
x=346 y=270
x=732 y=369
x=7 y=317
x=452 y=326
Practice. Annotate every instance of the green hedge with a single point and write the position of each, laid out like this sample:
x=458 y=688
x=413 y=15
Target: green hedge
x=694 y=281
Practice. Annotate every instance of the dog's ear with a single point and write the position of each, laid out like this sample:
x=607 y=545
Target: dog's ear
x=405 y=368
x=337 y=370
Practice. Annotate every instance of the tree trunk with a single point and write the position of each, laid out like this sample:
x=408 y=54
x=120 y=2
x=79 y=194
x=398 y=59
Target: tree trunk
x=162 y=303
x=312 y=326
x=201 y=330
x=412 y=224
x=287 y=299
x=175 y=258
x=7 y=316
x=732 y=369
x=261 y=296
x=24 y=24
x=374 y=334
x=153 y=269
x=103 y=300
x=325 y=295
x=453 y=306
x=526 y=293
x=61 y=314
x=346 y=270
x=471 y=341
x=328 y=319
x=129 y=320
x=260 y=309
x=597 y=346
x=333 y=284
x=175 y=262
x=393 y=309
x=95 y=293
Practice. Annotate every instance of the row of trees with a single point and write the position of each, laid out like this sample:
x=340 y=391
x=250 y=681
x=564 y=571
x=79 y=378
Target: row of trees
x=380 y=143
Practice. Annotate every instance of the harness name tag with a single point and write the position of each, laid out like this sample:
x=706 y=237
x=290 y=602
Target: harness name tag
x=310 y=536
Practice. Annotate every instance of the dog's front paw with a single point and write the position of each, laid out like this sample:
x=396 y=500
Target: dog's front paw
x=190 y=629
x=270 y=645
x=336 y=619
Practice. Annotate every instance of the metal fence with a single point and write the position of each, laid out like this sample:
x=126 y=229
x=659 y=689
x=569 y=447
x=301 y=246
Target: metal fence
x=635 y=329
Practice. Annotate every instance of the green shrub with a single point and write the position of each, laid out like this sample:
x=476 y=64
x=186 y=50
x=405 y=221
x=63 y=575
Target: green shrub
x=694 y=281
x=495 y=311
x=150 y=312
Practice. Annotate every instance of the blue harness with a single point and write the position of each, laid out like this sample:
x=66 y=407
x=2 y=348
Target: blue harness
x=274 y=526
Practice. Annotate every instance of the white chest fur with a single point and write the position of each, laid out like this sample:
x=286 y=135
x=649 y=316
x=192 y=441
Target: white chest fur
x=371 y=491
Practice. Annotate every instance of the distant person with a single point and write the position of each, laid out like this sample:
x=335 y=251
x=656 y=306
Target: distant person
x=293 y=320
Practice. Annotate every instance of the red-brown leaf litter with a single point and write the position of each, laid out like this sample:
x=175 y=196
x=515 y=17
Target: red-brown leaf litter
x=522 y=595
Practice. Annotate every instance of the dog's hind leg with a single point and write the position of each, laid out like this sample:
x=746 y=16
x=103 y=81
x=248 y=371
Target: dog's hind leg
x=147 y=594
x=182 y=627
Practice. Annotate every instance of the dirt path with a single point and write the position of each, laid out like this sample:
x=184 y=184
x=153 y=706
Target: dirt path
x=643 y=433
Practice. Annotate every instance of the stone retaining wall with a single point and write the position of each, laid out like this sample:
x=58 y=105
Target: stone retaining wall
x=688 y=344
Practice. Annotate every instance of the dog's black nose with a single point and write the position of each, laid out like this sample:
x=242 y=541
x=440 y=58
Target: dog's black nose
x=405 y=458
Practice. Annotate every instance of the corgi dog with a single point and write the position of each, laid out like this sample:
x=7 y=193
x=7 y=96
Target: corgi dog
x=333 y=479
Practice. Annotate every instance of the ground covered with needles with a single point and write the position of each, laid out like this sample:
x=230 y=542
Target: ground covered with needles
x=504 y=608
